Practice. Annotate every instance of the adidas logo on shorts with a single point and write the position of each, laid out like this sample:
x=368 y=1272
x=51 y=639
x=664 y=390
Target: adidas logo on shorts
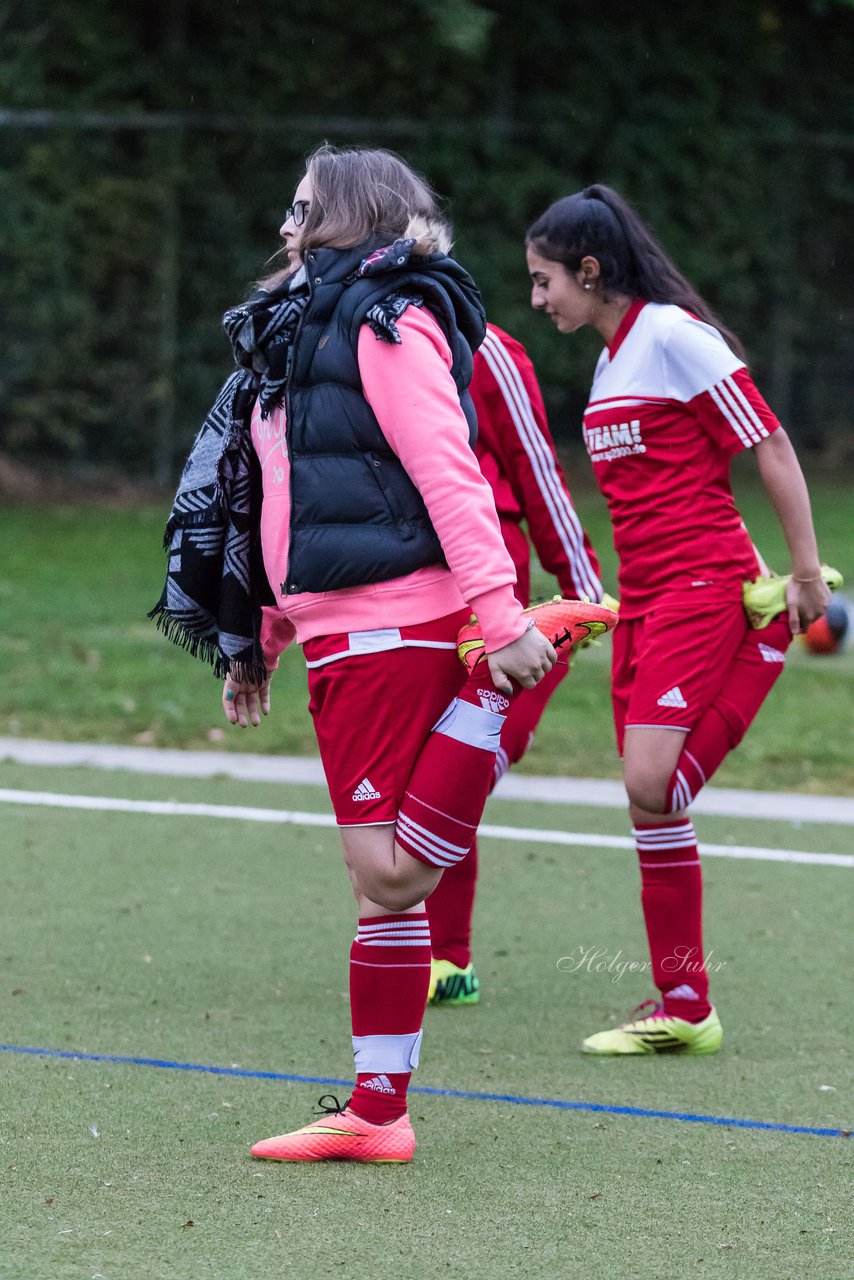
x=366 y=791
x=379 y=1084
x=769 y=654
x=673 y=698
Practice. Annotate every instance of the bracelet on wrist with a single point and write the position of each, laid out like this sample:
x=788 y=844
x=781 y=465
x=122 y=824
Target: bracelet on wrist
x=815 y=578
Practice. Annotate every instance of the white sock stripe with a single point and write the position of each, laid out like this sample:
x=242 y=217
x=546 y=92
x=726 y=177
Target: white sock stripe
x=416 y=934
x=665 y=827
x=655 y=833
x=421 y=935
x=377 y=1054
x=678 y=842
x=563 y=515
x=390 y=942
x=673 y=835
x=655 y=866
x=501 y=766
x=419 y=921
x=407 y=964
x=683 y=790
x=695 y=762
x=677 y=802
x=471 y=725
x=403 y=819
x=418 y=845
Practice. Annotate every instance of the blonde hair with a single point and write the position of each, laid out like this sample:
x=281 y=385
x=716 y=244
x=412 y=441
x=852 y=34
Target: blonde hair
x=361 y=193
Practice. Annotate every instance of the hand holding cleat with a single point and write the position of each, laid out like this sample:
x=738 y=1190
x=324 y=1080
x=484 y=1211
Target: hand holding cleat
x=564 y=623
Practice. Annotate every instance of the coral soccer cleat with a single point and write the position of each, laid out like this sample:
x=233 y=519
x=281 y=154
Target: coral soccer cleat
x=564 y=622
x=342 y=1135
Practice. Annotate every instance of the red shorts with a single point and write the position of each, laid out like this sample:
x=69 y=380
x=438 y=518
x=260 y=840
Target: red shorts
x=668 y=665
x=373 y=710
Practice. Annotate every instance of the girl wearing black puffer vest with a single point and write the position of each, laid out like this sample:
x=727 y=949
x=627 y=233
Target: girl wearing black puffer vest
x=337 y=469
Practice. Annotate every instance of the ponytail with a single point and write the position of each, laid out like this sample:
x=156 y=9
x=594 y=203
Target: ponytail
x=598 y=223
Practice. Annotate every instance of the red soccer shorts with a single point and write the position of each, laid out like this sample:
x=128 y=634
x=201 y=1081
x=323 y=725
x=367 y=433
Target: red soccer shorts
x=373 y=711
x=668 y=665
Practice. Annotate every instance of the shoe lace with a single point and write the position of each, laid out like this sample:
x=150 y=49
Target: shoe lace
x=654 y=1007
x=324 y=1109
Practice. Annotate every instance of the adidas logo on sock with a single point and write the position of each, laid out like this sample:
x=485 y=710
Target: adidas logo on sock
x=366 y=791
x=492 y=701
x=673 y=698
x=683 y=993
x=379 y=1084
x=770 y=654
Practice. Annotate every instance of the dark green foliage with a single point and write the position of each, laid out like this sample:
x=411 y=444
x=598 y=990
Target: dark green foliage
x=729 y=126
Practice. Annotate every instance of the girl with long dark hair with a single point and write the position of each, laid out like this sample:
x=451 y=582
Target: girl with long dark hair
x=702 y=636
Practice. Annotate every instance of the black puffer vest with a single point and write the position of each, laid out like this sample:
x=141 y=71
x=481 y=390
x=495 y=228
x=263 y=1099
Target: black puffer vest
x=356 y=517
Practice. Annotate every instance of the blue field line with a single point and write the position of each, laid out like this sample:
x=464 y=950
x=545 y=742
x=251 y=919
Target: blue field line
x=686 y=1117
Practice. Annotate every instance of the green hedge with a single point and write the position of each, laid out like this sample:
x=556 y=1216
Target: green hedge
x=128 y=230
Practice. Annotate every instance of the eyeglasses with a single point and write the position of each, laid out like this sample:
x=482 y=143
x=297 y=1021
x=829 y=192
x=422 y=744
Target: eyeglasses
x=297 y=212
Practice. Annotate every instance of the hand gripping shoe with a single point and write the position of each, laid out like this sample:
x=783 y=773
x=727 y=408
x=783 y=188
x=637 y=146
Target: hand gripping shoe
x=765 y=598
x=564 y=622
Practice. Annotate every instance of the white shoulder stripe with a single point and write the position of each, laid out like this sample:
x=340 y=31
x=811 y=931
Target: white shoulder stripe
x=737 y=410
x=747 y=407
x=563 y=515
x=733 y=422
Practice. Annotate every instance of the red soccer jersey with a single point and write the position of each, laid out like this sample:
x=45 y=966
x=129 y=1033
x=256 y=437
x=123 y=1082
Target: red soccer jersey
x=669 y=407
x=517 y=455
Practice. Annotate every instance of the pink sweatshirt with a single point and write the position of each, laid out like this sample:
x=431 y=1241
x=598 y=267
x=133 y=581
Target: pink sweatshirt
x=411 y=391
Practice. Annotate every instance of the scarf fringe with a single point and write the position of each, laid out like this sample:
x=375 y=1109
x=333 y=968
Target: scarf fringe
x=252 y=672
x=217 y=511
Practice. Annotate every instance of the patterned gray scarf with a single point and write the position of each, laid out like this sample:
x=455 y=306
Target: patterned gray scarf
x=216 y=584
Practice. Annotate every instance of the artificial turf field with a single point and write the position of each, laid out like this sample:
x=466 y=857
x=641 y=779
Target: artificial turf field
x=195 y=940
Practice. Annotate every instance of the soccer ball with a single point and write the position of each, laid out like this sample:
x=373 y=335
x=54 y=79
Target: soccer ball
x=834 y=631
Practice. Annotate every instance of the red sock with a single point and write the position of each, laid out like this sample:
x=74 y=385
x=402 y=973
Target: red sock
x=672 y=897
x=449 y=910
x=447 y=790
x=450 y=906
x=389 y=978
x=753 y=674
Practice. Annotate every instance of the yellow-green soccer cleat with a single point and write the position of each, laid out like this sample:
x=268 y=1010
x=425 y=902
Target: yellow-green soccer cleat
x=452 y=986
x=765 y=598
x=657 y=1032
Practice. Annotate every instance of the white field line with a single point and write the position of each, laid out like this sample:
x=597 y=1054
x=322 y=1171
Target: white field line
x=590 y=792
x=527 y=835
